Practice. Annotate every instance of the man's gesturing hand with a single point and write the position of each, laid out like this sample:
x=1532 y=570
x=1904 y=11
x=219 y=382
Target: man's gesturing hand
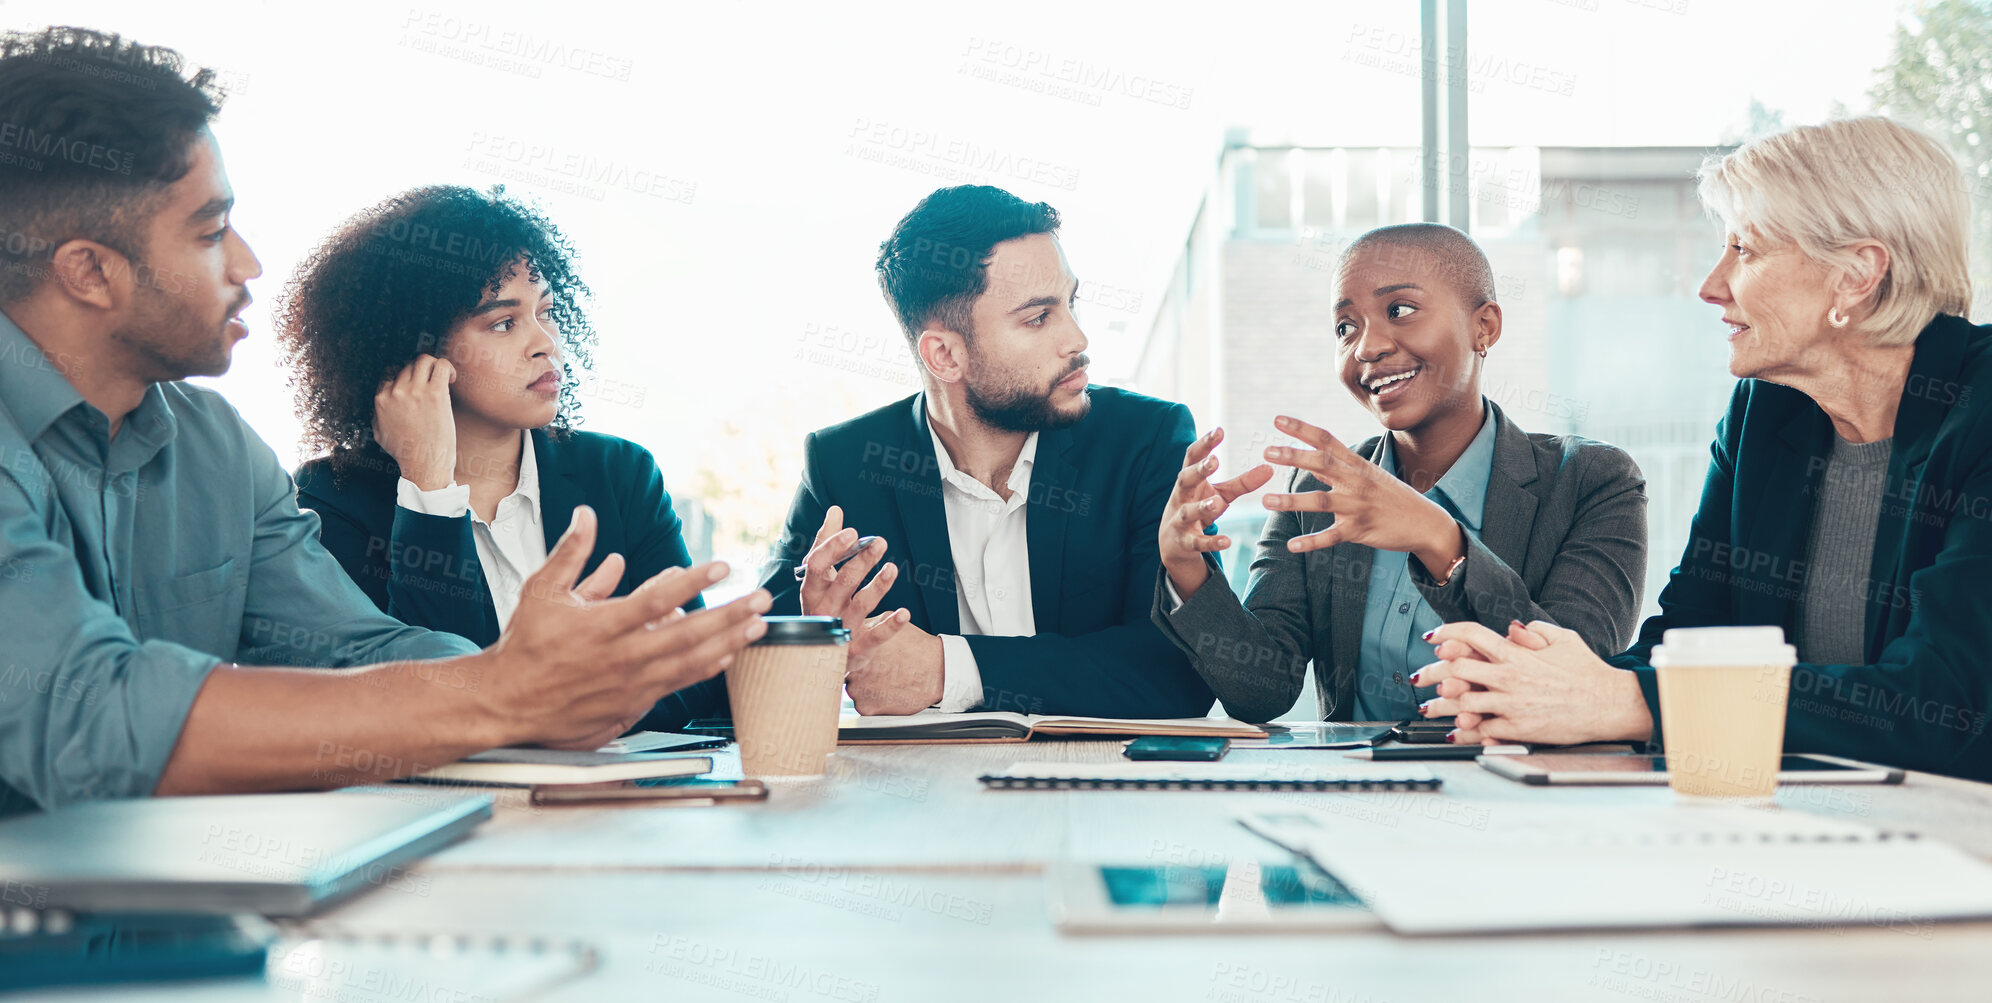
x=828 y=590
x=574 y=668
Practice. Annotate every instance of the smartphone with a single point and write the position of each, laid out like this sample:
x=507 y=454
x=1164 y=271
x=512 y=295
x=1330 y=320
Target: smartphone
x=670 y=790
x=1423 y=731
x=1198 y=750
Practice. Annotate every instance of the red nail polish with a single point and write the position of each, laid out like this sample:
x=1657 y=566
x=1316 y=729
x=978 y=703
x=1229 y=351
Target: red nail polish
x=1414 y=678
x=1428 y=634
x=1516 y=623
x=1453 y=737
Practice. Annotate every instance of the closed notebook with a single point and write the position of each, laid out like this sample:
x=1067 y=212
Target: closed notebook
x=1007 y=726
x=1211 y=777
x=515 y=767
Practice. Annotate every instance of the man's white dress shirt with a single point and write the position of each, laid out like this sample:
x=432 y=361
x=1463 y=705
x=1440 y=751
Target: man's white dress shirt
x=992 y=564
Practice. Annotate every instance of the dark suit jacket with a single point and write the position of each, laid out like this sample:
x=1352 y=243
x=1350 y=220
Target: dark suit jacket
x=423 y=569
x=1922 y=697
x=1563 y=539
x=1096 y=498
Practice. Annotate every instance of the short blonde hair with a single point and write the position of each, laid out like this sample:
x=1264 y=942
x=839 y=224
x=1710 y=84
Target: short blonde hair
x=1827 y=187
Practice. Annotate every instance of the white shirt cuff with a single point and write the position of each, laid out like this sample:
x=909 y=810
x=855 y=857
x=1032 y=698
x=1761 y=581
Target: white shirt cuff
x=450 y=502
x=1175 y=598
x=961 y=678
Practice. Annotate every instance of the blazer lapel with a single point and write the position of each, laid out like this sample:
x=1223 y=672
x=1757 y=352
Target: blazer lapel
x=1052 y=474
x=1782 y=521
x=1927 y=398
x=1508 y=518
x=558 y=492
x=924 y=517
x=1348 y=597
x=1349 y=567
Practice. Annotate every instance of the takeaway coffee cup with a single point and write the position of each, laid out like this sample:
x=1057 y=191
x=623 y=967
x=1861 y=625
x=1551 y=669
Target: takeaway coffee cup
x=1722 y=708
x=786 y=690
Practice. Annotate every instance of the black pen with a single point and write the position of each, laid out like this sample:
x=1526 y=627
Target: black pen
x=1383 y=753
x=802 y=570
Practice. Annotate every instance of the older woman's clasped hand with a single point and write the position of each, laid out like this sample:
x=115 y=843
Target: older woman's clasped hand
x=1538 y=683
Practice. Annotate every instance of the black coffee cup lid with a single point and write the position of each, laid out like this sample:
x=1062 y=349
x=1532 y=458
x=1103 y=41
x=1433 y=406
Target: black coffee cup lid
x=804 y=630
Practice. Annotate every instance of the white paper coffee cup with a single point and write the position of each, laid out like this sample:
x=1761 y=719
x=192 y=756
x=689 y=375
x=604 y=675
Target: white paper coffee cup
x=786 y=690
x=1723 y=692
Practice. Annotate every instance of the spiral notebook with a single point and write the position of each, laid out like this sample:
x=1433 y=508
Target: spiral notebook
x=1543 y=867
x=317 y=964
x=1291 y=776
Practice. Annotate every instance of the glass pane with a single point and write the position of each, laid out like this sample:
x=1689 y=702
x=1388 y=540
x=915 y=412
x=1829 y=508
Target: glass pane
x=1607 y=337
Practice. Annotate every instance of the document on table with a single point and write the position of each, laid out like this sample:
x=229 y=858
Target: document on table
x=1544 y=867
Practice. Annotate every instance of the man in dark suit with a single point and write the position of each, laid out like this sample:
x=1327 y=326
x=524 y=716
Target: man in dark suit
x=1018 y=506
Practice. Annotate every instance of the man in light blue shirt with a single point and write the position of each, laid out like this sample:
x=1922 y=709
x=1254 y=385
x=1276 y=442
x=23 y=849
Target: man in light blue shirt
x=135 y=563
x=1396 y=616
x=149 y=541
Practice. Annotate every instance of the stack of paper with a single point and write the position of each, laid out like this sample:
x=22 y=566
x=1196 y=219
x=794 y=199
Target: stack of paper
x=1541 y=867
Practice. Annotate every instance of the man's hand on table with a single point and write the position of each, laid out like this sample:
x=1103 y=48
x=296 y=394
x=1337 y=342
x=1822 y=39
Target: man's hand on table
x=902 y=676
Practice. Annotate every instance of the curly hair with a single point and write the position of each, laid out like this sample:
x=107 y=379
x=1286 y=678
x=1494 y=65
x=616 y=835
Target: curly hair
x=389 y=285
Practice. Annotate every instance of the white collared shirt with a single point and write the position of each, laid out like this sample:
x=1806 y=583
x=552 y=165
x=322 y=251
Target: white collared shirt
x=992 y=560
x=511 y=546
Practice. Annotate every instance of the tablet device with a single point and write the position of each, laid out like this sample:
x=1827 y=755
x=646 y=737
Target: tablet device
x=1557 y=770
x=1316 y=735
x=709 y=727
x=1244 y=896
x=669 y=790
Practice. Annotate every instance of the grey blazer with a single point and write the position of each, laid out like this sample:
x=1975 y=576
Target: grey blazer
x=1568 y=512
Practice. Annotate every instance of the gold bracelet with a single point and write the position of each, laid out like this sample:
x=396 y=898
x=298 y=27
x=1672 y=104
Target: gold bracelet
x=1451 y=570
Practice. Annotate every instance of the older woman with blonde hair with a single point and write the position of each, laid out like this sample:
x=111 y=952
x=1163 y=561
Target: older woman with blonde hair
x=1849 y=500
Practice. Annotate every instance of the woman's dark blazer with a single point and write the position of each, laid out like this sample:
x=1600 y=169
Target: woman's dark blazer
x=423 y=569
x=1562 y=538
x=1921 y=699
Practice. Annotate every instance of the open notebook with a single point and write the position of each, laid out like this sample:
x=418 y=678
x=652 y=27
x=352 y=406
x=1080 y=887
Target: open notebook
x=1006 y=726
x=1519 y=867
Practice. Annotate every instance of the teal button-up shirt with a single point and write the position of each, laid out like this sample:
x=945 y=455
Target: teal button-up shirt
x=1396 y=616
x=131 y=567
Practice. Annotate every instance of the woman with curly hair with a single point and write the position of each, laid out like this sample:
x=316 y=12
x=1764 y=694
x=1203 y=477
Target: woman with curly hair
x=430 y=339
